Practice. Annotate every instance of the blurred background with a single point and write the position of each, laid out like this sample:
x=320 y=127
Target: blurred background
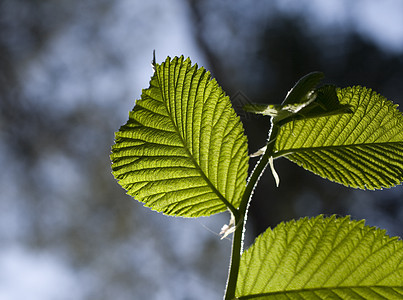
x=69 y=73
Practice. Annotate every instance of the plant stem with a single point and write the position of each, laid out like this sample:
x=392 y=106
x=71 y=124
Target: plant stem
x=235 y=261
x=241 y=217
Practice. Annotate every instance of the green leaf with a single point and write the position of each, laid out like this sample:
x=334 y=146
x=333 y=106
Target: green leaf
x=322 y=258
x=362 y=150
x=303 y=101
x=301 y=95
x=183 y=150
x=302 y=90
x=326 y=103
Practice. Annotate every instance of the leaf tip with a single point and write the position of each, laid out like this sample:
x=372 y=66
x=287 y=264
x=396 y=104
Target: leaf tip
x=153 y=62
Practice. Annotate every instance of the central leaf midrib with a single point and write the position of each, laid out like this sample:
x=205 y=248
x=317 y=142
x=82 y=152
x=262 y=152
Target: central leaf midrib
x=189 y=154
x=330 y=147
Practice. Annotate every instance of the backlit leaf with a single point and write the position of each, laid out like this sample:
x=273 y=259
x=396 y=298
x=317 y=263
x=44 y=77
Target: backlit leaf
x=303 y=101
x=183 y=150
x=322 y=258
x=363 y=149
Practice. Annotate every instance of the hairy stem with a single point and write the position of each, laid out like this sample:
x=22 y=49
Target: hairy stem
x=235 y=260
x=241 y=217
